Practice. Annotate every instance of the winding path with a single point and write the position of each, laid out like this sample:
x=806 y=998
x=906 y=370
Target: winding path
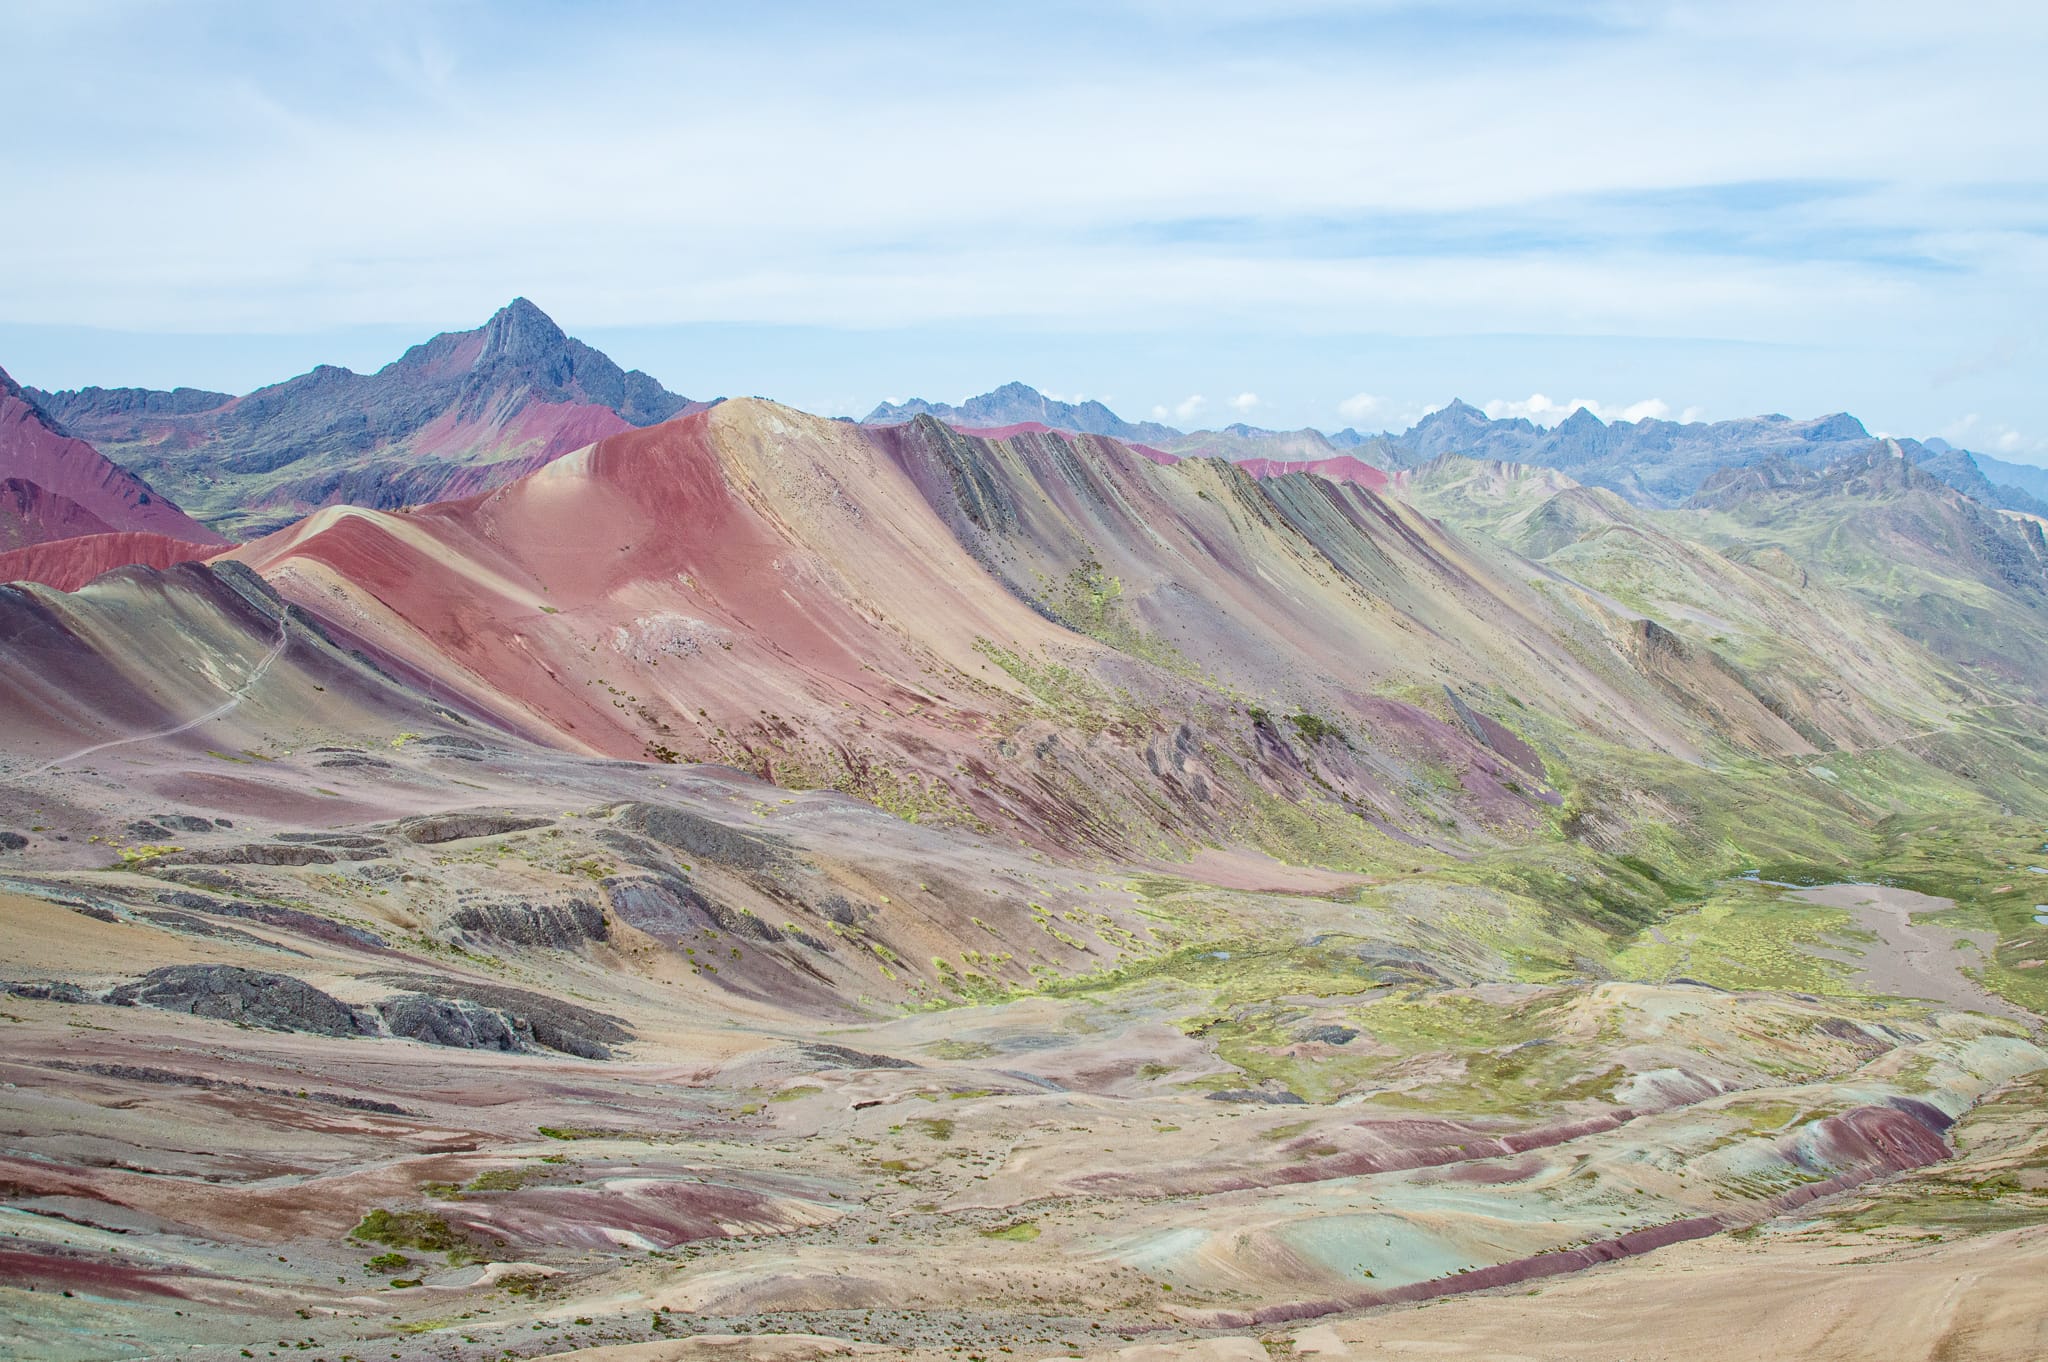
x=235 y=697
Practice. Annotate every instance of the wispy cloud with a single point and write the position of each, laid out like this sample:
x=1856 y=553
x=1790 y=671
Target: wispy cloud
x=1972 y=431
x=1545 y=412
x=1194 y=170
x=1359 y=407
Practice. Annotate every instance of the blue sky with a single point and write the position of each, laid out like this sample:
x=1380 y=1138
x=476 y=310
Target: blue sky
x=1293 y=212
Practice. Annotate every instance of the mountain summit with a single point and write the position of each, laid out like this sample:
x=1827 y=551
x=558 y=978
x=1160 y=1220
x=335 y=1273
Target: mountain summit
x=1016 y=404
x=461 y=413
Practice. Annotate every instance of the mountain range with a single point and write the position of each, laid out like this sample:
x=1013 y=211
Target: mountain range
x=1651 y=462
x=1016 y=404
x=464 y=412
x=590 y=868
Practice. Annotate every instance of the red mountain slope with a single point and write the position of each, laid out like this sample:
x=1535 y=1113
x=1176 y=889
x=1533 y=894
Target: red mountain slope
x=33 y=450
x=31 y=514
x=1053 y=636
x=69 y=564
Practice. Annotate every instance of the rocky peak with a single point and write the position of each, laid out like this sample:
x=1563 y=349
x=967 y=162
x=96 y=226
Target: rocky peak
x=1456 y=412
x=522 y=334
x=1840 y=426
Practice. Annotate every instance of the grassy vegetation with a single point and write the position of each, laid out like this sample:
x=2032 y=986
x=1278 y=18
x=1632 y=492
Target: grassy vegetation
x=1090 y=601
x=1980 y=861
x=797 y=765
x=421 y=1230
x=1022 y=1232
x=1746 y=936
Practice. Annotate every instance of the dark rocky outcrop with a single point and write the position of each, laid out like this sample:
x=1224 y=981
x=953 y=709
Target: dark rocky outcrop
x=552 y=1023
x=557 y=926
x=829 y=1056
x=255 y=853
x=457 y=1024
x=346 y=841
x=435 y=828
x=354 y=761
x=288 y=919
x=159 y=826
x=669 y=906
x=455 y=746
x=702 y=839
x=48 y=990
x=276 y=1002
x=199 y=926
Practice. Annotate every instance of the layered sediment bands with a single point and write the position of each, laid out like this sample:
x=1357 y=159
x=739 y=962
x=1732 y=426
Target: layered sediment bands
x=1387 y=1148
x=29 y=514
x=1477 y=1279
x=1841 y=1152
x=988 y=632
x=70 y=562
x=146 y=655
x=75 y=485
x=1019 y=873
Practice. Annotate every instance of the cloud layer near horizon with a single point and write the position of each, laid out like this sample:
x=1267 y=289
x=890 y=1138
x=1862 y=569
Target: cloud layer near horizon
x=1822 y=180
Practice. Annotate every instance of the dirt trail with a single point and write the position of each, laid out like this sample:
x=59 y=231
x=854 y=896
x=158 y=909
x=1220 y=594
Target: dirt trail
x=1911 y=960
x=235 y=697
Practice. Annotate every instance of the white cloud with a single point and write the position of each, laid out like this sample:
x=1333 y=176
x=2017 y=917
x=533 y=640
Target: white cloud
x=1692 y=414
x=1972 y=431
x=1536 y=407
x=1358 y=406
x=1243 y=403
x=1544 y=412
x=1188 y=409
x=379 y=164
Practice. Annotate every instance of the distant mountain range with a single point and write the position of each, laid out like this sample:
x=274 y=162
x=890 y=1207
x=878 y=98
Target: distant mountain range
x=462 y=413
x=1016 y=404
x=1650 y=462
x=470 y=411
x=1409 y=837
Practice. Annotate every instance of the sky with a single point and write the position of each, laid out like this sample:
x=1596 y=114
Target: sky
x=1292 y=212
